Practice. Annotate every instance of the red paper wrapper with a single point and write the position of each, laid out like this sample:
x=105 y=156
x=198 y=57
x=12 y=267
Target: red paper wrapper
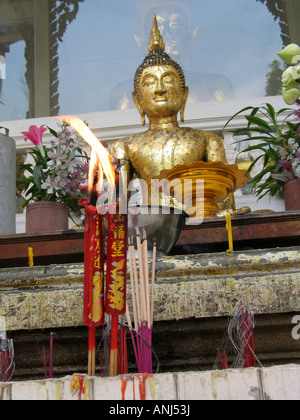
x=116 y=271
x=94 y=315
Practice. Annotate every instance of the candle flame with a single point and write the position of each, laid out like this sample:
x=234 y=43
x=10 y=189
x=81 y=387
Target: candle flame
x=100 y=158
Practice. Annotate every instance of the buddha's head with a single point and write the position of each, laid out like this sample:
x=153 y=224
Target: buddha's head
x=175 y=23
x=159 y=83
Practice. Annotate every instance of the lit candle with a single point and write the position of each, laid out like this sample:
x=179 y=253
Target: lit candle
x=229 y=229
x=30 y=256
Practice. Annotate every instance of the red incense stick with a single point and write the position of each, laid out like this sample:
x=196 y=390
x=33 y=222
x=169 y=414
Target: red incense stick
x=116 y=273
x=93 y=280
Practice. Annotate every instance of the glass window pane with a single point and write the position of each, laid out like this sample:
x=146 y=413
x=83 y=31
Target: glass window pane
x=16 y=44
x=80 y=56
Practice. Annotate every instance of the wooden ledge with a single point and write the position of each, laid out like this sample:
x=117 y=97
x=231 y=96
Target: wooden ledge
x=186 y=287
x=263 y=230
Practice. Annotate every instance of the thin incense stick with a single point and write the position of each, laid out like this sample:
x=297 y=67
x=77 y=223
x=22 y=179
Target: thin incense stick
x=132 y=335
x=51 y=357
x=142 y=281
x=142 y=302
x=136 y=287
x=92 y=352
x=153 y=283
x=146 y=275
x=114 y=345
x=136 y=297
x=133 y=289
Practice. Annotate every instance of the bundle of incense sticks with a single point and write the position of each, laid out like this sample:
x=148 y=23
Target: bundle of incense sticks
x=247 y=328
x=240 y=339
x=142 y=302
x=7 y=365
x=51 y=359
x=104 y=355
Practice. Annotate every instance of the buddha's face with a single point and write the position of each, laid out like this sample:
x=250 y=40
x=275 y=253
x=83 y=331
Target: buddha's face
x=173 y=26
x=160 y=92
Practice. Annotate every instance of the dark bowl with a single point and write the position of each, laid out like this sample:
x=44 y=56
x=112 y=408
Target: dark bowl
x=163 y=226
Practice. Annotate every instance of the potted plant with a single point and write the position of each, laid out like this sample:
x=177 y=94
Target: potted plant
x=277 y=139
x=55 y=179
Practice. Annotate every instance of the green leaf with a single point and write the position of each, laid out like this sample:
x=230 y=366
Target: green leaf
x=37 y=175
x=25 y=181
x=238 y=113
x=259 y=176
x=275 y=189
x=27 y=167
x=271 y=112
x=258 y=121
x=256 y=147
x=283 y=110
x=254 y=163
x=53 y=132
x=6 y=130
x=266 y=160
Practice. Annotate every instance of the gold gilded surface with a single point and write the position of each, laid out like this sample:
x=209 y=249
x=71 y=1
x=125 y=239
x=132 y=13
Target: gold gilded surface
x=161 y=94
x=156 y=42
x=220 y=180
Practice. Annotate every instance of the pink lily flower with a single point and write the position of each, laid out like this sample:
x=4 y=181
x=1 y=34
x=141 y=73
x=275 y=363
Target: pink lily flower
x=35 y=134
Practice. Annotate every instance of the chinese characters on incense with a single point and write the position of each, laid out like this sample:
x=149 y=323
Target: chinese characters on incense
x=114 y=304
x=93 y=279
x=116 y=273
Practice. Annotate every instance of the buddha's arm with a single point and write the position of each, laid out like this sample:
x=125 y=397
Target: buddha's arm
x=215 y=152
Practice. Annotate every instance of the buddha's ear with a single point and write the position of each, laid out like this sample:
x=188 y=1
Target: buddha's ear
x=185 y=98
x=139 y=107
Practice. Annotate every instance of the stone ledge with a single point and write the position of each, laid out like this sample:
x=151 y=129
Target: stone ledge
x=276 y=383
x=194 y=286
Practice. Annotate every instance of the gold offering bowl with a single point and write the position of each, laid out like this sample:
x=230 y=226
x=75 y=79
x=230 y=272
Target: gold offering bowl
x=219 y=181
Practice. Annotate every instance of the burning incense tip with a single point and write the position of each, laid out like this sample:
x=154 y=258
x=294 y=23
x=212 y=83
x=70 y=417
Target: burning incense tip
x=144 y=234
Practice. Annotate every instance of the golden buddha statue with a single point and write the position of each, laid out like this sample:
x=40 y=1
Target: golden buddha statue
x=160 y=93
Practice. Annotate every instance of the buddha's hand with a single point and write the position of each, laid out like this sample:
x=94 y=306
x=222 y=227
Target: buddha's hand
x=238 y=212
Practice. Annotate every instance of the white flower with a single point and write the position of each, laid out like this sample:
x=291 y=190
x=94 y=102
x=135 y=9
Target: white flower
x=290 y=76
x=51 y=185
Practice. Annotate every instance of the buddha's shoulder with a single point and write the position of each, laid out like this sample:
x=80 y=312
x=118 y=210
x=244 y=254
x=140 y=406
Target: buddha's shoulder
x=198 y=134
x=118 y=148
x=183 y=132
x=121 y=147
x=129 y=139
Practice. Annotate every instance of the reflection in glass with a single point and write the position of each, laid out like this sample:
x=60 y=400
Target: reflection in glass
x=80 y=56
x=244 y=159
x=224 y=55
x=176 y=26
x=16 y=47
